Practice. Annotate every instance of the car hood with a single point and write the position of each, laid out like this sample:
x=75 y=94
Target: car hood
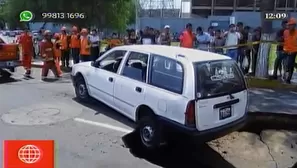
x=84 y=64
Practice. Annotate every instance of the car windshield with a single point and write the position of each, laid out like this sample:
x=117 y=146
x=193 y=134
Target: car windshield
x=217 y=78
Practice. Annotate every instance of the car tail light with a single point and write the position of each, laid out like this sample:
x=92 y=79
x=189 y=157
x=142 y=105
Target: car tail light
x=190 y=119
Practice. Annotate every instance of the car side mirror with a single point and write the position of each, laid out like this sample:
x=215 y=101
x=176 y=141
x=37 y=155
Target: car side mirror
x=95 y=64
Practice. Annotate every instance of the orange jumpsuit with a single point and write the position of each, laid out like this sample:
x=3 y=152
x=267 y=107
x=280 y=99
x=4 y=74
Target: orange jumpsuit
x=26 y=43
x=48 y=55
x=57 y=52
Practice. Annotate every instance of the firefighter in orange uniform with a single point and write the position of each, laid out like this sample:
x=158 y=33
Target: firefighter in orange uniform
x=57 y=51
x=114 y=41
x=64 y=47
x=48 y=55
x=85 y=46
x=75 y=44
x=26 y=43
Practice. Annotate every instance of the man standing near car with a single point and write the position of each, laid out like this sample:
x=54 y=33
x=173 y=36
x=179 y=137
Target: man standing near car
x=48 y=55
x=231 y=42
x=280 y=56
x=165 y=37
x=290 y=48
x=187 y=37
x=95 y=48
x=148 y=37
x=26 y=42
x=75 y=44
x=64 y=47
x=242 y=42
x=202 y=39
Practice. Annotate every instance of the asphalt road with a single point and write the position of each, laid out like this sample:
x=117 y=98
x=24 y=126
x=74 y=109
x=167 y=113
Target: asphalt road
x=86 y=135
x=91 y=135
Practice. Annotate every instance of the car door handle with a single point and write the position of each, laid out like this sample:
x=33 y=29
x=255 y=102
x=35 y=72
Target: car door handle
x=138 y=89
x=110 y=79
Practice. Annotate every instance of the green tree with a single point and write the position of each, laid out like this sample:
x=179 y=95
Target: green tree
x=114 y=14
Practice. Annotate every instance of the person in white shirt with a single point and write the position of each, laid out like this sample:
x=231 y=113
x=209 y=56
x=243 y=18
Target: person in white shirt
x=95 y=44
x=232 y=39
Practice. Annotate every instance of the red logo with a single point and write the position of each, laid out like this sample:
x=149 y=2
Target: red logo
x=28 y=154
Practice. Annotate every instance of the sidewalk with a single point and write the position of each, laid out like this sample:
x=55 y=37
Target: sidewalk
x=270 y=101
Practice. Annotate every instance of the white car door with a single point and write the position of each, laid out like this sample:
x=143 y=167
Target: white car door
x=130 y=87
x=103 y=76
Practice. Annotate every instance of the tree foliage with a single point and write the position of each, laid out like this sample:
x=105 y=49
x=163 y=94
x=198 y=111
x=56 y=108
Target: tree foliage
x=115 y=14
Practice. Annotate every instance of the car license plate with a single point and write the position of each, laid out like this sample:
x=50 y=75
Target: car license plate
x=225 y=112
x=9 y=63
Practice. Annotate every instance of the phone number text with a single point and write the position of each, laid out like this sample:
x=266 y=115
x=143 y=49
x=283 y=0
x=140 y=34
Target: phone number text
x=62 y=15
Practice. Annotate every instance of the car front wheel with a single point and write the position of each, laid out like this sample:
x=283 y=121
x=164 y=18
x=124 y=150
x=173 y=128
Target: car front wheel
x=81 y=89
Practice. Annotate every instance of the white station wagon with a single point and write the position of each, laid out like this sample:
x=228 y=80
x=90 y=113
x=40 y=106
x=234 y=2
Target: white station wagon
x=167 y=90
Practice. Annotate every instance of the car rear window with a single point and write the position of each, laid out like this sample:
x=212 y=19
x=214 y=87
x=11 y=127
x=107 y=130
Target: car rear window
x=217 y=78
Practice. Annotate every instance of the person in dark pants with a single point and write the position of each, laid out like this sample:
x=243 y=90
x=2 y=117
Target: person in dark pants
x=256 y=37
x=281 y=57
x=64 y=47
x=94 y=39
x=75 y=44
x=290 y=48
x=247 y=50
x=243 y=40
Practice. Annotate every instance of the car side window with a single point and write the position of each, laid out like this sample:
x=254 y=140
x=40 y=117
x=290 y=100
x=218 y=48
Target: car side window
x=112 y=61
x=167 y=74
x=136 y=66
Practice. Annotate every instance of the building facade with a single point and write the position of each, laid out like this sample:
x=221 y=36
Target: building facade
x=205 y=8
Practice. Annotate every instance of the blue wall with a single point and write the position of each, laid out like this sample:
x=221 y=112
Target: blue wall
x=252 y=19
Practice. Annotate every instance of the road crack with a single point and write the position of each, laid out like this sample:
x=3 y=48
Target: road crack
x=269 y=150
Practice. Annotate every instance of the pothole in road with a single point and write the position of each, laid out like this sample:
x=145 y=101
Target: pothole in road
x=41 y=114
x=266 y=141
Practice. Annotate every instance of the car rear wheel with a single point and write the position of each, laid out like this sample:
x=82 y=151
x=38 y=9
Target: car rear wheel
x=150 y=132
x=81 y=89
x=5 y=74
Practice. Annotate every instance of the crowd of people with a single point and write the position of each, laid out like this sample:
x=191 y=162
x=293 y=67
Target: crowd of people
x=237 y=43
x=82 y=45
x=232 y=42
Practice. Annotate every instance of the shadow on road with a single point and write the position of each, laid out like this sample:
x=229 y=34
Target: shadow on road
x=101 y=108
x=8 y=80
x=177 y=154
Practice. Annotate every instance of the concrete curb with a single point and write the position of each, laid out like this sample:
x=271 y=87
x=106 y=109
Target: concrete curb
x=257 y=121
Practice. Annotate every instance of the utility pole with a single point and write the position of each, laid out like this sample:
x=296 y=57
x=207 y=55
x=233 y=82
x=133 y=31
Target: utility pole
x=136 y=15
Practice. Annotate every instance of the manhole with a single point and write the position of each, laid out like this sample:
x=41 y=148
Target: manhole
x=41 y=114
x=44 y=112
